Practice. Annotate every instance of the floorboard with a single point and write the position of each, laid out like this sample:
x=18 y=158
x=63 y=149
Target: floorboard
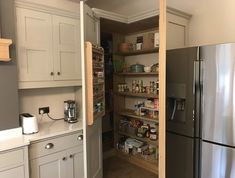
x=115 y=167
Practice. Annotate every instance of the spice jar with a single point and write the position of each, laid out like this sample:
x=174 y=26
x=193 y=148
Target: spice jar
x=153 y=134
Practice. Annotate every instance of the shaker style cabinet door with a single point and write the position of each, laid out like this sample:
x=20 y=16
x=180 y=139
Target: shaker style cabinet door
x=75 y=162
x=67 y=60
x=92 y=26
x=64 y=164
x=34 y=45
x=51 y=166
x=177 y=31
x=13 y=172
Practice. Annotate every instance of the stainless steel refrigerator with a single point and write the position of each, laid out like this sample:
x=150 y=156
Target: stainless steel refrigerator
x=200 y=116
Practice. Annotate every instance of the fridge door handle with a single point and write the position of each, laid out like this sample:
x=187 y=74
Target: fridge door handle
x=174 y=109
x=196 y=75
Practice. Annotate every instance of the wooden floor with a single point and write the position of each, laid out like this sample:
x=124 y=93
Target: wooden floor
x=115 y=167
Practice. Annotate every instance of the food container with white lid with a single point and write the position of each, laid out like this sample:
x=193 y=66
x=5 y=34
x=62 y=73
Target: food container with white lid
x=153 y=134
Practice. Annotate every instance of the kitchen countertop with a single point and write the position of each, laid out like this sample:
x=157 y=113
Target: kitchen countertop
x=14 y=139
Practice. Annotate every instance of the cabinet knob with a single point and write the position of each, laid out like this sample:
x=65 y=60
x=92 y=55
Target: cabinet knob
x=64 y=158
x=58 y=73
x=49 y=146
x=71 y=156
x=80 y=137
x=52 y=73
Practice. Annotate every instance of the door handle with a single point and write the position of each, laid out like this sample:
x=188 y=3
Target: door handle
x=174 y=109
x=49 y=146
x=80 y=137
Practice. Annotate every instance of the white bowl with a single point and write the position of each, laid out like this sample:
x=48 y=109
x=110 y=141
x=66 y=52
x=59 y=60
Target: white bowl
x=147 y=69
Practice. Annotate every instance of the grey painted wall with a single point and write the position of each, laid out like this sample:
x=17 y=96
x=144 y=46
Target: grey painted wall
x=9 y=109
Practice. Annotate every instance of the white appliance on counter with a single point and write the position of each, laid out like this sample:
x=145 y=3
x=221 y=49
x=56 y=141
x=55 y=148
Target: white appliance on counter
x=29 y=123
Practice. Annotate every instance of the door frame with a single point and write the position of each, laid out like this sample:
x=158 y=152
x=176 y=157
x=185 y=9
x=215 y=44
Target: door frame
x=84 y=121
x=162 y=89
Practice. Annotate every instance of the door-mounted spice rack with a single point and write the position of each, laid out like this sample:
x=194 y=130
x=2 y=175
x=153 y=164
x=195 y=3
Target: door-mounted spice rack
x=95 y=92
x=4 y=49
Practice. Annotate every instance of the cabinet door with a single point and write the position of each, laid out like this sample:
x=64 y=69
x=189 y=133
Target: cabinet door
x=34 y=46
x=51 y=166
x=92 y=26
x=14 y=172
x=67 y=60
x=75 y=162
x=177 y=31
x=94 y=149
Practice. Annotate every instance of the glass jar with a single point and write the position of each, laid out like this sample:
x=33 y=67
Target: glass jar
x=153 y=134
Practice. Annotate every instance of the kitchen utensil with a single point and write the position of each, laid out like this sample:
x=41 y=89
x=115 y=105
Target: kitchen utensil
x=29 y=123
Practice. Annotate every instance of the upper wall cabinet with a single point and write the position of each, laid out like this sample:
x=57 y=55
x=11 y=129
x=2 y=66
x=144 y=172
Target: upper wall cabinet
x=177 y=28
x=66 y=38
x=48 y=49
x=92 y=26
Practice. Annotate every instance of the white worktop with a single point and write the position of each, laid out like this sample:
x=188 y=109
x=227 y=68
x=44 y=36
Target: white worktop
x=14 y=138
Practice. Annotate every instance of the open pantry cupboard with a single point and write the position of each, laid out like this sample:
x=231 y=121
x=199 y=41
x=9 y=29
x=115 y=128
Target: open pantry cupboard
x=131 y=121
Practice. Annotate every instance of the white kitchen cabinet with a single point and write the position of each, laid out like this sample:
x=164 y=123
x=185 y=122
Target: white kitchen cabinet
x=75 y=162
x=66 y=38
x=14 y=163
x=177 y=28
x=48 y=49
x=34 y=44
x=60 y=157
x=49 y=166
x=92 y=26
x=94 y=149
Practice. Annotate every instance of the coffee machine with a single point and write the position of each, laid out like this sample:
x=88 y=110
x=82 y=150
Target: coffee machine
x=70 y=111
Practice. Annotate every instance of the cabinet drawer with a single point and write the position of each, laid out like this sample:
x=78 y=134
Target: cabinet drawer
x=11 y=158
x=53 y=145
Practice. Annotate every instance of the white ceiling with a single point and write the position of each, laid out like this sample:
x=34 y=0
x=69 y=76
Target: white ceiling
x=132 y=7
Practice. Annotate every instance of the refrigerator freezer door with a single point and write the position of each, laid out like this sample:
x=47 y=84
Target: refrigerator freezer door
x=180 y=159
x=217 y=161
x=182 y=71
x=218 y=107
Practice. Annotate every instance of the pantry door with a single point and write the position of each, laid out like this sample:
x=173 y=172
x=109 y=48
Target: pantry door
x=92 y=26
x=93 y=158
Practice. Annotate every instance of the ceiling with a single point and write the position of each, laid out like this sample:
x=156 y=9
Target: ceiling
x=107 y=25
x=133 y=7
x=124 y=7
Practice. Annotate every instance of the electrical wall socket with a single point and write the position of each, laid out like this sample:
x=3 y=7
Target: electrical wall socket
x=44 y=110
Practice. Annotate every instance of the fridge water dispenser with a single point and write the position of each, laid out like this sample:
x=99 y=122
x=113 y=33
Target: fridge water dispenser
x=176 y=100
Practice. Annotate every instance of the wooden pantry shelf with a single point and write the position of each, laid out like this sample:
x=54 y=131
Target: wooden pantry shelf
x=131 y=113
x=151 y=166
x=138 y=52
x=141 y=95
x=136 y=74
x=151 y=142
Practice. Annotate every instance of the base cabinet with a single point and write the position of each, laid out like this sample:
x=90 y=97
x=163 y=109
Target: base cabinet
x=59 y=159
x=14 y=172
x=14 y=163
x=64 y=164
